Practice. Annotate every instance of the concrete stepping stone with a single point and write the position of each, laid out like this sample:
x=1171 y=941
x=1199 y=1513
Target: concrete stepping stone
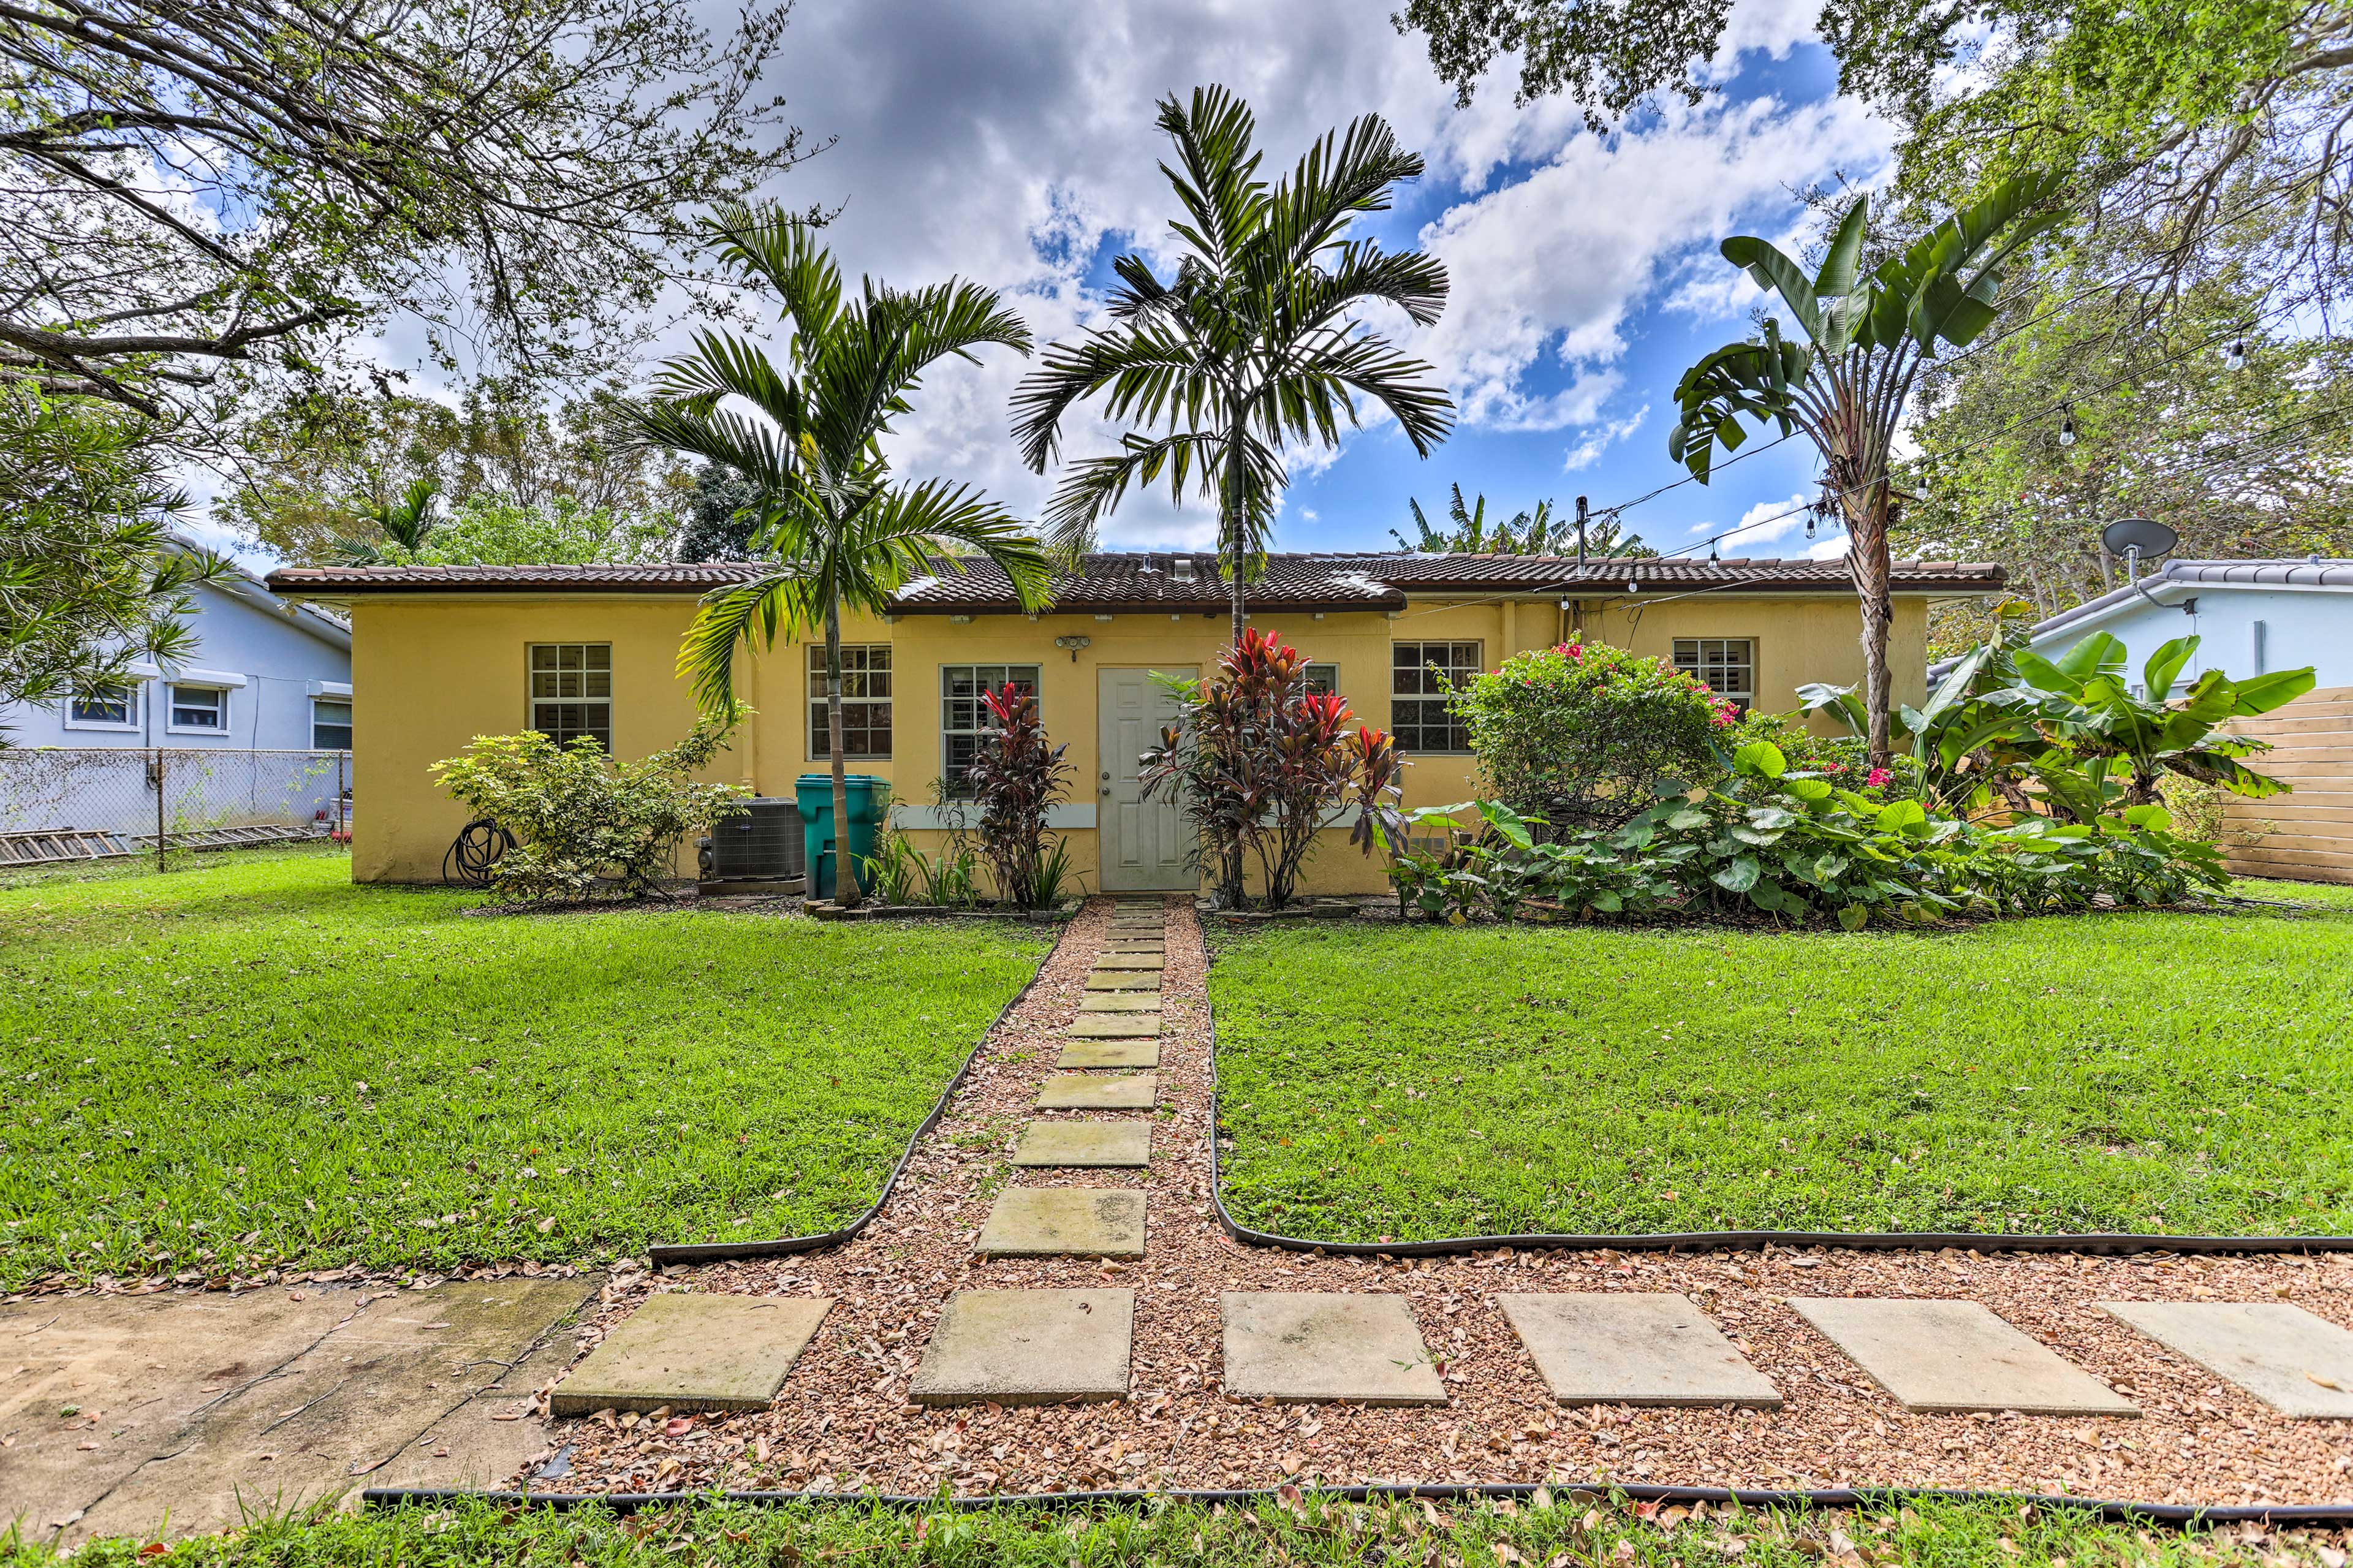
x=1952 y=1356
x=1122 y=980
x=1029 y=1347
x=693 y=1352
x=1120 y=1002
x=1099 y=1091
x=1114 y=962
x=1122 y=923
x=1063 y=1222
x=2299 y=1364
x=1634 y=1347
x=1083 y=1144
x=1300 y=1346
x=1135 y=945
x=1115 y=1026
x=1085 y=1053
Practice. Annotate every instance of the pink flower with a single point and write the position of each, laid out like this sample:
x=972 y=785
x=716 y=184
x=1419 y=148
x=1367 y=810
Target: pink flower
x=1878 y=776
x=1726 y=717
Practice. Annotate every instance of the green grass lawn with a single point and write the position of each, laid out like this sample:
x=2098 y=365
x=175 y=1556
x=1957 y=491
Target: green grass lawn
x=254 y=1062
x=2117 y=1072
x=1312 y=1533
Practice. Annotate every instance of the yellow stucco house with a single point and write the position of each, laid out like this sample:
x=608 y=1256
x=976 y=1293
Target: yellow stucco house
x=442 y=654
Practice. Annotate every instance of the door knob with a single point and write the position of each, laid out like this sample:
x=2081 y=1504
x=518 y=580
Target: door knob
x=1106 y=792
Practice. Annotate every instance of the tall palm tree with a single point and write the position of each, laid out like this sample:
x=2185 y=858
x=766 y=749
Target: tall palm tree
x=838 y=529
x=1844 y=384
x=1251 y=343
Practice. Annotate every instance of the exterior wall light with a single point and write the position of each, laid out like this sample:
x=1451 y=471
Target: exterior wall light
x=1073 y=645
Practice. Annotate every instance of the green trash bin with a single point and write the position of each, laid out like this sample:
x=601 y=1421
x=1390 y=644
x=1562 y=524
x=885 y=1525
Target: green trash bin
x=812 y=792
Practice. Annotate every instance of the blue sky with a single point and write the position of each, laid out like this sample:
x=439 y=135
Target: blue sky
x=1013 y=142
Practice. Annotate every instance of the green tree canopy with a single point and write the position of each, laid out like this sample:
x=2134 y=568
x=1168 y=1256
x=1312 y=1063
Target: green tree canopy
x=240 y=185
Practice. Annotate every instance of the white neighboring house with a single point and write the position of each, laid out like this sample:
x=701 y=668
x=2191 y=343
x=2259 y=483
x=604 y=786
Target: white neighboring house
x=251 y=726
x=2254 y=617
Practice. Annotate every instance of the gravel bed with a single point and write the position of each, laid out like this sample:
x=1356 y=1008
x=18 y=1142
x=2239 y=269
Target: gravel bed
x=842 y=1421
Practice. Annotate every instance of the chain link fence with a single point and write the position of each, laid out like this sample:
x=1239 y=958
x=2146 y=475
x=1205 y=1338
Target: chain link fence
x=67 y=803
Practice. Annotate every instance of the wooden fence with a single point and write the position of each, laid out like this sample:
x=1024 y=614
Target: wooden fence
x=2308 y=835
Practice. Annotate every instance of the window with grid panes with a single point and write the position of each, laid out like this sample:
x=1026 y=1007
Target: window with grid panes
x=1322 y=679
x=572 y=691
x=1728 y=665
x=865 y=704
x=1420 y=674
x=964 y=716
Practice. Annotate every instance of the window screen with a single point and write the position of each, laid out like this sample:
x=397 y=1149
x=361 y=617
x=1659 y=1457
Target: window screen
x=1417 y=694
x=572 y=691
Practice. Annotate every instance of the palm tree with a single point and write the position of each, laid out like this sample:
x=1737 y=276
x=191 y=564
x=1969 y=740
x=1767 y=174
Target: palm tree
x=837 y=529
x=1250 y=345
x=1867 y=336
x=1537 y=533
x=405 y=523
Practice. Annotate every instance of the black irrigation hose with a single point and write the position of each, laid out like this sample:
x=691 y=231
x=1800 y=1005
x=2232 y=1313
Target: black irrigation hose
x=2112 y=1243
x=2276 y=1516
x=661 y=1254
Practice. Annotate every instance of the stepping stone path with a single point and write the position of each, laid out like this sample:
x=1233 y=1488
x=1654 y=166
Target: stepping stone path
x=1111 y=1054
x=1064 y=1222
x=1028 y=1347
x=2300 y=1365
x=1951 y=1356
x=1300 y=1346
x=694 y=1352
x=1634 y=1347
x=1080 y=1145
x=1096 y=1091
x=1015 y=1347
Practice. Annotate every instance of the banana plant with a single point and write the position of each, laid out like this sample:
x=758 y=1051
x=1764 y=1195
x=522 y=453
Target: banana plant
x=1844 y=380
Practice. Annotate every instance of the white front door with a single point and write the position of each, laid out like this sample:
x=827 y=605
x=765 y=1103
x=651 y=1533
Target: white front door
x=1145 y=843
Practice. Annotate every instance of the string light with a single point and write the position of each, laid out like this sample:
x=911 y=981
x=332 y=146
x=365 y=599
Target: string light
x=2066 y=425
x=2235 y=356
x=1812 y=514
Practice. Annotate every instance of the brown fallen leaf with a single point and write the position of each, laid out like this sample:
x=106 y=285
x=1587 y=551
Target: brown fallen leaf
x=2325 y=1382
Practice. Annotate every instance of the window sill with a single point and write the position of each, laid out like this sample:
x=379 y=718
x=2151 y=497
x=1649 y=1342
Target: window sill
x=97 y=727
x=1068 y=815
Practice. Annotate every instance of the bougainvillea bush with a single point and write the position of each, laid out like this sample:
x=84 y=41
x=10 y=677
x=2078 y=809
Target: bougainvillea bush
x=1583 y=734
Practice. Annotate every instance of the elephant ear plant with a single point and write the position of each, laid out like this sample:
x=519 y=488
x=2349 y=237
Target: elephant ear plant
x=1844 y=383
x=1258 y=762
x=2009 y=729
x=1016 y=776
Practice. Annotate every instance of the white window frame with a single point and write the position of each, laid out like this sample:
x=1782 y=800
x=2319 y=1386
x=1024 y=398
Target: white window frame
x=532 y=699
x=1454 y=666
x=1696 y=663
x=132 y=688
x=172 y=725
x=854 y=694
x=1031 y=675
x=1322 y=675
x=343 y=703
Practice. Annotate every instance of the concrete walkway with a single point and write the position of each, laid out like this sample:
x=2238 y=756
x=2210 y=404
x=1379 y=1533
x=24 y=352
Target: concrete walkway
x=120 y=1410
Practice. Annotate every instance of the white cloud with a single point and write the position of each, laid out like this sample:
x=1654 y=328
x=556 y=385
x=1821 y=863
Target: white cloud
x=1587 y=452
x=1550 y=270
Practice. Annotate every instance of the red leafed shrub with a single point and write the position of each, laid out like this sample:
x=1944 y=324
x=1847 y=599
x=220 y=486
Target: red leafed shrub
x=1014 y=776
x=1258 y=762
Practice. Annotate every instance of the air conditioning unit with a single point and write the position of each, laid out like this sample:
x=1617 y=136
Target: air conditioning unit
x=759 y=851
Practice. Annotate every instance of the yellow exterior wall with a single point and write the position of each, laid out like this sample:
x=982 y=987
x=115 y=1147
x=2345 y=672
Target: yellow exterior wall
x=433 y=672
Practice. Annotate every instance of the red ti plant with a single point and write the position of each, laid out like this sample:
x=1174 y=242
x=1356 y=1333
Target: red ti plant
x=1014 y=776
x=1258 y=762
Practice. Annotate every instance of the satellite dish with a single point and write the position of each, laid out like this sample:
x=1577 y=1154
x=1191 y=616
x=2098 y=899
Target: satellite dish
x=2141 y=537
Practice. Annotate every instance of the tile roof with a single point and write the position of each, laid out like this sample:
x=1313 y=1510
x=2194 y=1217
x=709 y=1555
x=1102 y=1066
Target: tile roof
x=1146 y=581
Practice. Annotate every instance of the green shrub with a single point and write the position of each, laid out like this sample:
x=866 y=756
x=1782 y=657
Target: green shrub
x=583 y=824
x=1793 y=845
x=1583 y=734
x=1843 y=760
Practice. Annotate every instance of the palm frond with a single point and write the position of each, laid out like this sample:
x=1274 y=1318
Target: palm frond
x=762 y=240
x=778 y=600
